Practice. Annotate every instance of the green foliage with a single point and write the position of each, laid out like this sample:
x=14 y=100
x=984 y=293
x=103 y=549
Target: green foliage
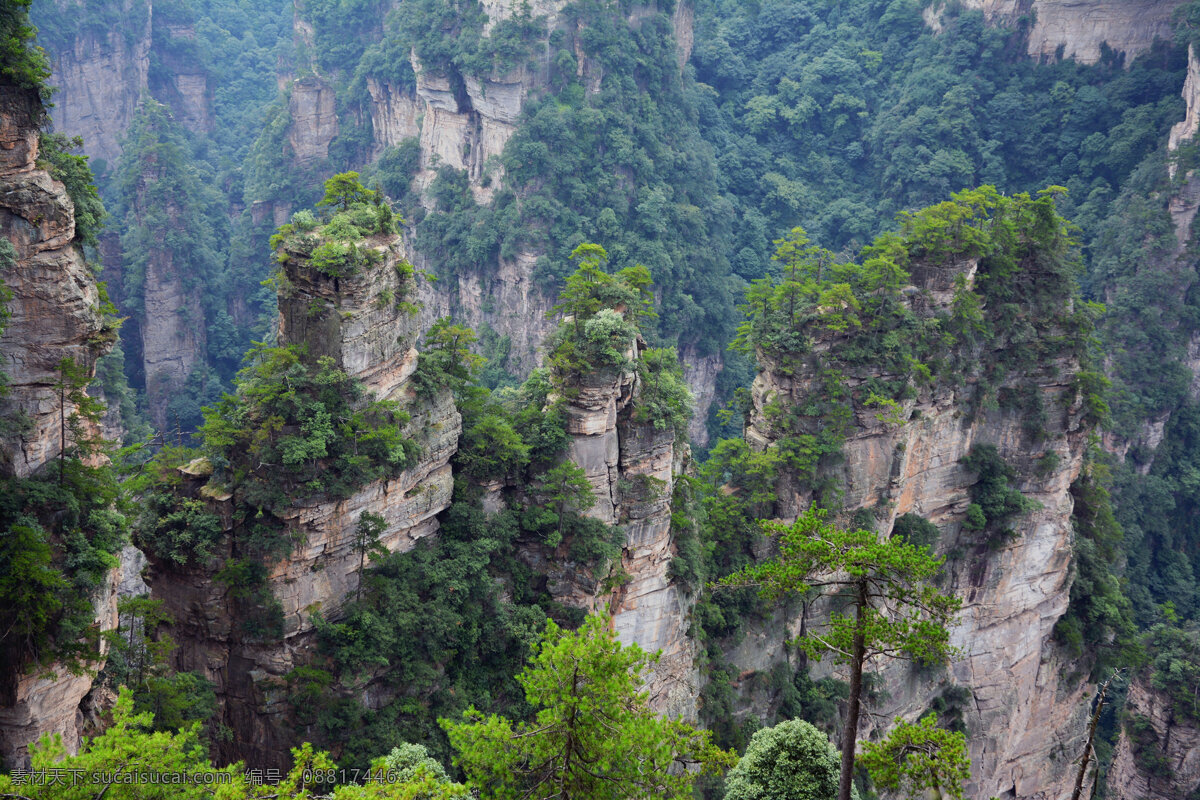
x=1175 y=668
x=446 y=361
x=593 y=735
x=623 y=165
x=296 y=429
x=434 y=616
x=134 y=748
x=916 y=530
x=994 y=501
x=600 y=314
x=448 y=37
x=835 y=117
x=886 y=603
x=65 y=527
x=407 y=763
x=791 y=761
x=920 y=756
x=1099 y=619
x=22 y=63
x=345 y=190
x=815 y=553
x=663 y=398
x=55 y=150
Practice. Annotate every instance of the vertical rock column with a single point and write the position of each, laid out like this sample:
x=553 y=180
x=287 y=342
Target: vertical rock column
x=632 y=469
x=55 y=315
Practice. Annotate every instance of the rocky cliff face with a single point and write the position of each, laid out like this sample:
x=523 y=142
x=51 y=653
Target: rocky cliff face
x=171 y=320
x=1081 y=28
x=56 y=302
x=356 y=322
x=1025 y=717
x=468 y=130
x=632 y=469
x=100 y=76
x=1162 y=759
x=55 y=315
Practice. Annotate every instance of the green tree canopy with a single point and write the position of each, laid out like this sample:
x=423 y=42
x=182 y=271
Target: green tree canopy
x=594 y=737
x=885 y=604
x=791 y=761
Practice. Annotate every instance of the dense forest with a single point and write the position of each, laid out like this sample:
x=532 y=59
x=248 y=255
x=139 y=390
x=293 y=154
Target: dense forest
x=851 y=343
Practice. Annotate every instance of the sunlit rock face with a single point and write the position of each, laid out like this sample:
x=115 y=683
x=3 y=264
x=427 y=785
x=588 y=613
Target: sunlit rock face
x=1026 y=715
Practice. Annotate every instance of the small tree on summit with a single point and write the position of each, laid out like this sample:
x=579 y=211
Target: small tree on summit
x=344 y=190
x=886 y=606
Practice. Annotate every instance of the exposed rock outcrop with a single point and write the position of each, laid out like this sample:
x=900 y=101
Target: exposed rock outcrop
x=1079 y=29
x=100 y=76
x=1026 y=716
x=56 y=302
x=632 y=468
x=312 y=108
x=358 y=323
x=1162 y=758
x=56 y=315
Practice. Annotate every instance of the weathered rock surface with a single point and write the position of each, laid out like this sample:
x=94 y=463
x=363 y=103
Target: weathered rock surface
x=171 y=320
x=701 y=374
x=1026 y=717
x=1176 y=742
x=356 y=322
x=40 y=702
x=100 y=77
x=312 y=107
x=1081 y=28
x=632 y=469
x=56 y=304
x=55 y=315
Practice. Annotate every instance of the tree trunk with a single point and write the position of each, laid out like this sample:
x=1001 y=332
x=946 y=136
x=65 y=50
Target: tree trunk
x=1087 y=749
x=850 y=736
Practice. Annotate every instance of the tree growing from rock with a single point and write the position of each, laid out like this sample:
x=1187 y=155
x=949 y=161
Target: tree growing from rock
x=882 y=600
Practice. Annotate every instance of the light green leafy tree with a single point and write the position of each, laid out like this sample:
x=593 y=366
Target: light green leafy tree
x=411 y=763
x=344 y=190
x=884 y=603
x=594 y=736
x=791 y=761
x=916 y=757
x=119 y=765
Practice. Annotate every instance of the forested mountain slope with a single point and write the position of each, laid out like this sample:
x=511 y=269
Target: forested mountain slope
x=367 y=534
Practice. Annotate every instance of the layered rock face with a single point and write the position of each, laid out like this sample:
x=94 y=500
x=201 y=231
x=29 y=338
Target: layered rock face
x=632 y=469
x=56 y=303
x=171 y=322
x=100 y=77
x=312 y=107
x=356 y=322
x=1081 y=28
x=55 y=315
x=1026 y=718
x=1172 y=742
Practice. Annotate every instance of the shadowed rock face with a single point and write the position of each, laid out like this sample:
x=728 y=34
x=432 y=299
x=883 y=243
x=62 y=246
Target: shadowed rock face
x=356 y=322
x=1174 y=740
x=55 y=315
x=1079 y=29
x=1026 y=717
x=100 y=77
